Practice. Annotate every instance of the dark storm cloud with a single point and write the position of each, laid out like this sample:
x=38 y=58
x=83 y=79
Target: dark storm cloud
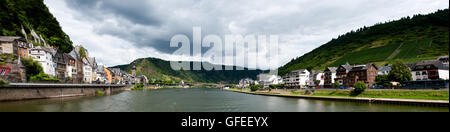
x=137 y=11
x=150 y=24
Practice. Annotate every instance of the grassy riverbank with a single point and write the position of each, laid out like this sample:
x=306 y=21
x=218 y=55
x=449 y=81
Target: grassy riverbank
x=393 y=94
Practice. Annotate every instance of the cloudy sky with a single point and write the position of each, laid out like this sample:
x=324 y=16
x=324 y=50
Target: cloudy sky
x=118 y=32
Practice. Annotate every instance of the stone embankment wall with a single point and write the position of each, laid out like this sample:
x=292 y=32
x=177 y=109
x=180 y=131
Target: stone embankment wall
x=15 y=92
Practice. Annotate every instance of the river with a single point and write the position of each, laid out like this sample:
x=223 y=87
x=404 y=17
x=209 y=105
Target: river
x=199 y=100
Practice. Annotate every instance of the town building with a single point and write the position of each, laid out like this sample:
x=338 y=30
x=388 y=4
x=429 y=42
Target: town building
x=10 y=44
x=267 y=79
x=341 y=73
x=362 y=73
x=317 y=79
x=61 y=61
x=245 y=83
x=77 y=68
x=71 y=66
x=87 y=71
x=44 y=56
x=384 y=70
x=143 y=79
x=100 y=75
x=297 y=79
x=329 y=77
x=94 y=66
x=443 y=59
x=430 y=70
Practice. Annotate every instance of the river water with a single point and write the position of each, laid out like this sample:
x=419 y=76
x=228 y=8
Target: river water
x=199 y=100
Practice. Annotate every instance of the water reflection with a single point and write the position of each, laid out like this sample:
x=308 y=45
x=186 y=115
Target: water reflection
x=199 y=100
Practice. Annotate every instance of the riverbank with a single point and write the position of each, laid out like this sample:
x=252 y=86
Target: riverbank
x=28 y=91
x=371 y=96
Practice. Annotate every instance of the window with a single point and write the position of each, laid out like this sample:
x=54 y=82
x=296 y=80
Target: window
x=417 y=73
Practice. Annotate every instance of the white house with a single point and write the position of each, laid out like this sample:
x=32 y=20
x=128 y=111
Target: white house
x=297 y=79
x=87 y=71
x=330 y=76
x=316 y=76
x=94 y=66
x=245 y=83
x=430 y=70
x=268 y=79
x=384 y=70
x=71 y=68
x=100 y=74
x=44 y=56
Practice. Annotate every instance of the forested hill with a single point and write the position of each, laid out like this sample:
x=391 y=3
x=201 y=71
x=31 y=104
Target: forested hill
x=161 y=70
x=421 y=37
x=32 y=15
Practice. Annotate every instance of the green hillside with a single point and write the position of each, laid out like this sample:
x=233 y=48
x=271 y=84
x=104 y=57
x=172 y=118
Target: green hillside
x=161 y=70
x=32 y=14
x=421 y=37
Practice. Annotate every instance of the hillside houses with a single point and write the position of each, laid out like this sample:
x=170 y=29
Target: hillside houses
x=267 y=79
x=430 y=70
x=361 y=73
x=341 y=73
x=44 y=56
x=68 y=68
x=316 y=79
x=297 y=79
x=329 y=77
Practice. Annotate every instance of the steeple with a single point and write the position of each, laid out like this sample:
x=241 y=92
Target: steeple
x=133 y=72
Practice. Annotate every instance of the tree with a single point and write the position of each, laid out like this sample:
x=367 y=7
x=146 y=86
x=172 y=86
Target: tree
x=82 y=52
x=254 y=87
x=3 y=82
x=32 y=68
x=383 y=80
x=360 y=87
x=400 y=73
x=336 y=85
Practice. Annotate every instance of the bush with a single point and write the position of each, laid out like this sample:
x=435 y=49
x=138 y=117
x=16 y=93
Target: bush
x=99 y=93
x=276 y=86
x=400 y=73
x=139 y=86
x=32 y=68
x=383 y=80
x=336 y=85
x=254 y=88
x=360 y=87
x=3 y=82
x=42 y=77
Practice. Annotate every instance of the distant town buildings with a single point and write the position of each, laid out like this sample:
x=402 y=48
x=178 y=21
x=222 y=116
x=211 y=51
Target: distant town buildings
x=68 y=68
x=342 y=72
x=297 y=79
x=245 y=83
x=329 y=77
x=44 y=56
x=317 y=79
x=384 y=70
x=430 y=70
x=361 y=73
x=267 y=79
